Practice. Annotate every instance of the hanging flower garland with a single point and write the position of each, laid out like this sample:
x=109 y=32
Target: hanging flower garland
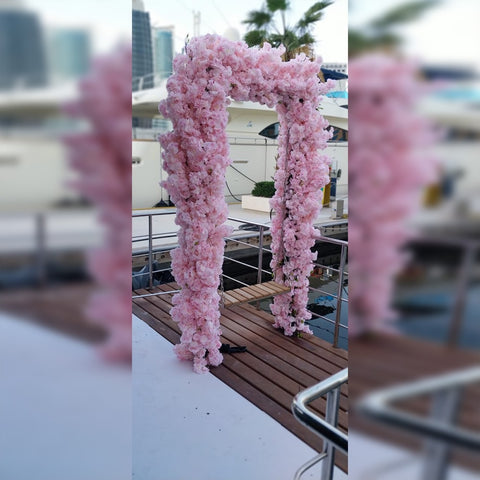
x=301 y=173
x=102 y=159
x=196 y=156
x=389 y=163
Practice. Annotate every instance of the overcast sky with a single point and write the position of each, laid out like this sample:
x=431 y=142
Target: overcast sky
x=217 y=16
x=447 y=33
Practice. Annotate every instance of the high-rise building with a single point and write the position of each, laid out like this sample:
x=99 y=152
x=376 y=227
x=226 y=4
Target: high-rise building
x=22 y=49
x=142 y=58
x=162 y=50
x=69 y=52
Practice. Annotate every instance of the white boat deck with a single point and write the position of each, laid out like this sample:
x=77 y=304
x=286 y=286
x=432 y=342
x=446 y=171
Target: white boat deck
x=64 y=229
x=166 y=223
x=194 y=426
x=64 y=413
x=371 y=459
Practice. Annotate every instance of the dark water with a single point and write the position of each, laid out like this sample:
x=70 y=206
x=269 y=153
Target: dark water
x=428 y=316
x=320 y=327
x=325 y=305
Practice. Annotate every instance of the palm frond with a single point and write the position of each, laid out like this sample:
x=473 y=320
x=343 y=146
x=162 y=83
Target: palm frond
x=258 y=18
x=359 y=42
x=403 y=14
x=255 y=37
x=275 y=5
x=312 y=15
x=275 y=40
x=306 y=39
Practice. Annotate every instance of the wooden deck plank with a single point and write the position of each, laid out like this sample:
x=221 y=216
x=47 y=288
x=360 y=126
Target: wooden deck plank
x=59 y=307
x=309 y=351
x=267 y=291
x=268 y=375
x=238 y=295
x=228 y=299
x=327 y=352
x=159 y=307
x=341 y=354
x=259 y=290
x=286 y=347
x=275 y=365
x=253 y=292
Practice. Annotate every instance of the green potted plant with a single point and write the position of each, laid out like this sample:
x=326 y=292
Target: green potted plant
x=260 y=197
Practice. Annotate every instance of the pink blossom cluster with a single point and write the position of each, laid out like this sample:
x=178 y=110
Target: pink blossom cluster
x=101 y=157
x=196 y=156
x=389 y=163
x=301 y=173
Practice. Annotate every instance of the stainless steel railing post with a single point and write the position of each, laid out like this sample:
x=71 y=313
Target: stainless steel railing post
x=41 y=260
x=445 y=409
x=461 y=296
x=331 y=416
x=333 y=438
x=260 y=254
x=341 y=268
x=150 y=254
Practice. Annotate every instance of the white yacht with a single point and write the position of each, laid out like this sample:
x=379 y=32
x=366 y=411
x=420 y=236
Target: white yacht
x=252 y=131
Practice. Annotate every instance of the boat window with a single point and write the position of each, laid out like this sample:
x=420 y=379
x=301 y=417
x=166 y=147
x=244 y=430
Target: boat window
x=271 y=131
x=339 y=135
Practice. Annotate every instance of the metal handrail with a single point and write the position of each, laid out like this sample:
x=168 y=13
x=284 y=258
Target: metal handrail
x=323 y=317
x=328 y=293
x=334 y=439
x=156 y=294
x=250 y=222
x=262 y=229
x=378 y=405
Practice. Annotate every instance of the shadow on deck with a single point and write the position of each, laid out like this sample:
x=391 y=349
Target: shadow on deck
x=274 y=368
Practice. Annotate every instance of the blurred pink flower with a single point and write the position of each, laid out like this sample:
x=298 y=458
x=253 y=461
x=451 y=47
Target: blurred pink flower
x=102 y=158
x=389 y=163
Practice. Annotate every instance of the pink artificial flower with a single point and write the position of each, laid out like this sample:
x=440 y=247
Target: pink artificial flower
x=196 y=156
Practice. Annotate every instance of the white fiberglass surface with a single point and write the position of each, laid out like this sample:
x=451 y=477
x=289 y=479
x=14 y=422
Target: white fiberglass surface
x=372 y=459
x=64 y=413
x=187 y=425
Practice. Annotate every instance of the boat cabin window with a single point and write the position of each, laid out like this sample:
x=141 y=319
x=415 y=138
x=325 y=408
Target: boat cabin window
x=272 y=131
x=339 y=135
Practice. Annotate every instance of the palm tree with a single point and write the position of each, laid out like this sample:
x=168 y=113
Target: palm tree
x=380 y=33
x=297 y=38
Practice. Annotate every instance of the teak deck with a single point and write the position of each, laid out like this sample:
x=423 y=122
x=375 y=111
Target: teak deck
x=59 y=307
x=274 y=368
x=251 y=293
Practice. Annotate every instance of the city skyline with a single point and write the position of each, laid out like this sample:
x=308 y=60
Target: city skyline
x=330 y=32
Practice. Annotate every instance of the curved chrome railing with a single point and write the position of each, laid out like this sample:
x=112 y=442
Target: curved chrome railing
x=439 y=428
x=334 y=439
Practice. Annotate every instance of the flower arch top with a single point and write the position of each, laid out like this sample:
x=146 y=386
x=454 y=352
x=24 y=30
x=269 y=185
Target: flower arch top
x=196 y=156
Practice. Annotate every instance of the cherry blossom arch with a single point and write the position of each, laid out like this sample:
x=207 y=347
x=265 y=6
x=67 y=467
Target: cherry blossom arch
x=196 y=155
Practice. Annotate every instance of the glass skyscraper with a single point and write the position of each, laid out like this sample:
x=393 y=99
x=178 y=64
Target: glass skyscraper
x=22 y=50
x=69 y=52
x=162 y=50
x=142 y=58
